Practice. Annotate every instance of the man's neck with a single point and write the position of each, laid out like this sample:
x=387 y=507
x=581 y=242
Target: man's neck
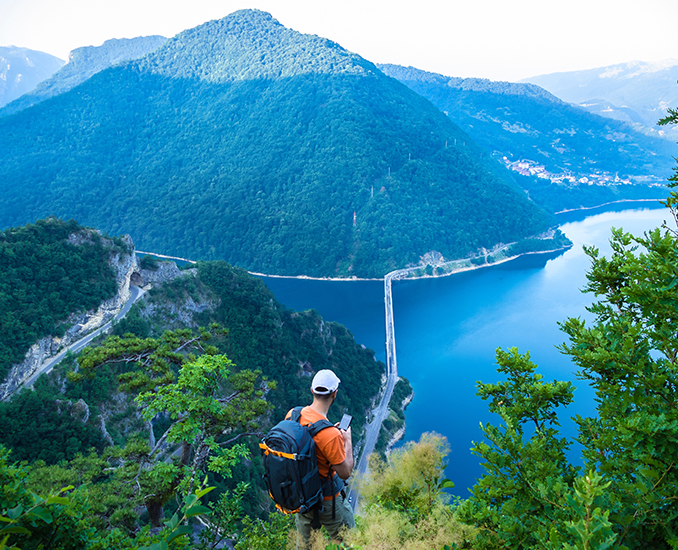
x=321 y=407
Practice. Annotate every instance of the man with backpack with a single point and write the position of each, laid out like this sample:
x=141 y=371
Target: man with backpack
x=334 y=449
x=306 y=460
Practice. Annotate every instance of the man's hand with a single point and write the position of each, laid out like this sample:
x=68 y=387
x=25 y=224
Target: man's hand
x=346 y=467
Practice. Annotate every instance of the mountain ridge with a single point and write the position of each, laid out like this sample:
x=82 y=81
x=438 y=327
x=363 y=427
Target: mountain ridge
x=280 y=52
x=570 y=158
x=83 y=63
x=637 y=91
x=402 y=73
x=21 y=69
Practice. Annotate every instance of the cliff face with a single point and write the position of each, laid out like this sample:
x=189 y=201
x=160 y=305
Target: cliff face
x=80 y=324
x=178 y=312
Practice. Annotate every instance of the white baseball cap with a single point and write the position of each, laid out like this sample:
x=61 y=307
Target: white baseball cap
x=325 y=382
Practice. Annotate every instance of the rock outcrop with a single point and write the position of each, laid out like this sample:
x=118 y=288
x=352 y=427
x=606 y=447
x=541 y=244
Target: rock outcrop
x=181 y=312
x=80 y=324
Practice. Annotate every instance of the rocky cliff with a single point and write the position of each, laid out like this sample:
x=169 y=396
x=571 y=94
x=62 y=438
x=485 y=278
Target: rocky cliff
x=80 y=324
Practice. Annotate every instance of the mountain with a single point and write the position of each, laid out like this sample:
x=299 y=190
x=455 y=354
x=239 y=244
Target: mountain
x=578 y=158
x=21 y=69
x=636 y=92
x=82 y=64
x=276 y=151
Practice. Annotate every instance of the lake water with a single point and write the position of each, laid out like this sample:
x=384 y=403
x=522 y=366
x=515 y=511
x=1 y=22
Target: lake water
x=447 y=329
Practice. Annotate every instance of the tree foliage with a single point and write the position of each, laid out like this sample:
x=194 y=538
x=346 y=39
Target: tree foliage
x=204 y=401
x=62 y=518
x=403 y=500
x=38 y=425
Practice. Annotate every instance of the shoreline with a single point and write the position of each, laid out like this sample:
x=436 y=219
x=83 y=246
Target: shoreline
x=474 y=267
x=423 y=266
x=582 y=208
x=310 y=278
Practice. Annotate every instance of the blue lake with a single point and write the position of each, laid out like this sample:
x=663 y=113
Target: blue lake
x=447 y=329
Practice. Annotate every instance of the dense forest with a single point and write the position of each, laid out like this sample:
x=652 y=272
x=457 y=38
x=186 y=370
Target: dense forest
x=523 y=121
x=46 y=277
x=278 y=152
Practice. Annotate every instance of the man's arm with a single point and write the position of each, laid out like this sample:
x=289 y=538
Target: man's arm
x=346 y=467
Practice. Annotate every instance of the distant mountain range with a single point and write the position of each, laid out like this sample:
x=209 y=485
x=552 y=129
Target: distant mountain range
x=279 y=152
x=637 y=92
x=576 y=157
x=21 y=69
x=82 y=64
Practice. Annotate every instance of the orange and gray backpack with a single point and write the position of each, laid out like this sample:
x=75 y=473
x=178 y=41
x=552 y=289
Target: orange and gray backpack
x=291 y=464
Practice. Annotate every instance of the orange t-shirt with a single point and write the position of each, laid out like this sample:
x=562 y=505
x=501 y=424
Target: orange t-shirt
x=329 y=443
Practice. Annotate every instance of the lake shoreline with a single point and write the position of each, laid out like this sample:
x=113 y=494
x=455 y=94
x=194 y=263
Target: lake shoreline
x=465 y=268
x=621 y=201
x=421 y=266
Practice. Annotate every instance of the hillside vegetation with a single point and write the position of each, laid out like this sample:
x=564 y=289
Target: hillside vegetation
x=82 y=64
x=278 y=152
x=212 y=340
x=50 y=270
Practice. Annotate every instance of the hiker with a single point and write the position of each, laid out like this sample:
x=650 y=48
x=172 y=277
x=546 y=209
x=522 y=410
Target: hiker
x=335 y=455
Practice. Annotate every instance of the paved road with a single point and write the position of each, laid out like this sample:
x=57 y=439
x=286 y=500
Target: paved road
x=135 y=294
x=380 y=413
x=374 y=428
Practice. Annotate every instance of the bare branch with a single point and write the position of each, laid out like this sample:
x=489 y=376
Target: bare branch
x=234 y=439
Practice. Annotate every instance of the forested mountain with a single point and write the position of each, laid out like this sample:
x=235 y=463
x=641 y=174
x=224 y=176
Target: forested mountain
x=636 y=92
x=82 y=64
x=276 y=151
x=569 y=148
x=21 y=69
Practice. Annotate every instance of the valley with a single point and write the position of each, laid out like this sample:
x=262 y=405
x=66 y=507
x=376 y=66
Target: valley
x=297 y=203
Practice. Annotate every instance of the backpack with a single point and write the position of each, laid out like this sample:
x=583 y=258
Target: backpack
x=291 y=465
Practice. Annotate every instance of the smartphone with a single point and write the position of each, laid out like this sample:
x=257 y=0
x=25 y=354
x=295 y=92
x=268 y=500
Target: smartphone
x=345 y=422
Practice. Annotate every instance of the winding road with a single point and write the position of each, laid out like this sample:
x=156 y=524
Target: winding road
x=47 y=366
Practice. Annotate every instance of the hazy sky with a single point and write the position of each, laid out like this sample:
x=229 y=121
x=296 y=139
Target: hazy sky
x=496 y=39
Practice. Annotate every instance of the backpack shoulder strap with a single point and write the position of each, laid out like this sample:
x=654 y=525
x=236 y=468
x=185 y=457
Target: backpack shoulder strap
x=318 y=426
x=313 y=428
x=295 y=415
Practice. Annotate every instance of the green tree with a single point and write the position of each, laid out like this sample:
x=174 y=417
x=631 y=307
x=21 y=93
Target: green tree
x=526 y=467
x=209 y=408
